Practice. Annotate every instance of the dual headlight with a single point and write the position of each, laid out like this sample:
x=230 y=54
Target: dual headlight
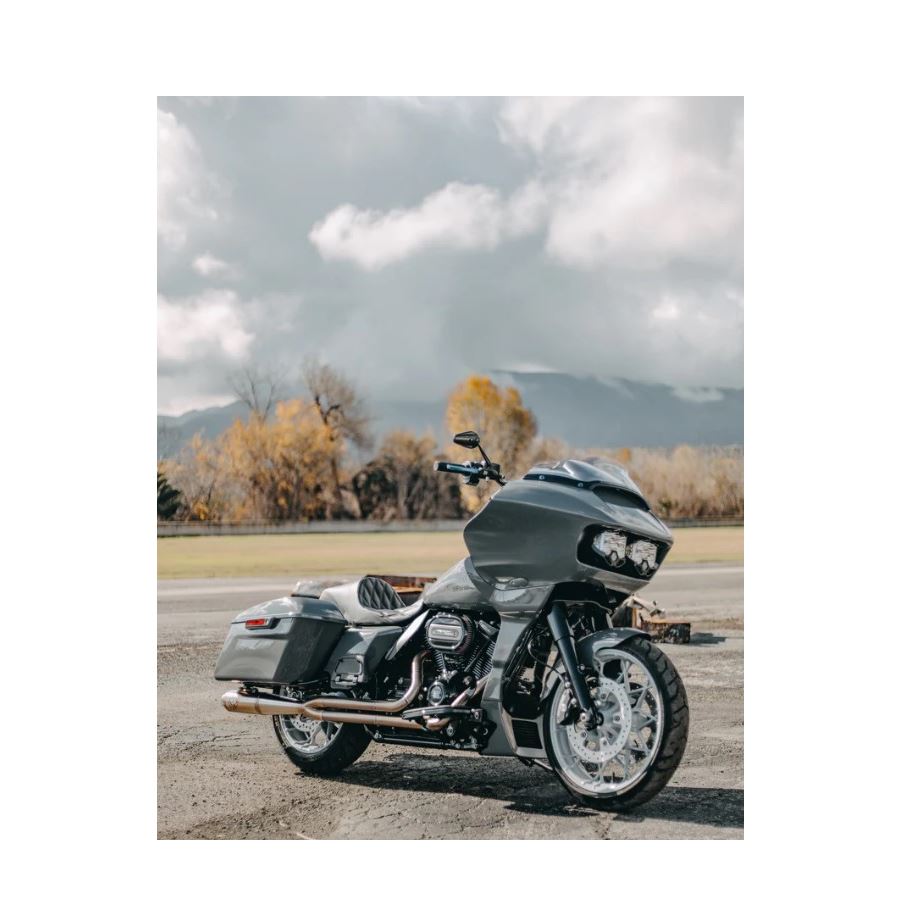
x=614 y=548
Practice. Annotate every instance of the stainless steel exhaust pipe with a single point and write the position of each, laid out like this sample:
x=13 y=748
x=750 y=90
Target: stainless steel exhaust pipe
x=236 y=701
x=334 y=709
x=387 y=706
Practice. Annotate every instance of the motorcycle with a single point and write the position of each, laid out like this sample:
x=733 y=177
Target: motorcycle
x=512 y=652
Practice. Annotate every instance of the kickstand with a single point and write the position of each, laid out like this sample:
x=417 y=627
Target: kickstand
x=527 y=761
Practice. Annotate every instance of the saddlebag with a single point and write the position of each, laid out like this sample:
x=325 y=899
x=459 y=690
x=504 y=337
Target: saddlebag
x=283 y=641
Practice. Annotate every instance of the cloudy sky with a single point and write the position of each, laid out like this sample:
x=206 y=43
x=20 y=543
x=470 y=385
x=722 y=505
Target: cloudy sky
x=410 y=242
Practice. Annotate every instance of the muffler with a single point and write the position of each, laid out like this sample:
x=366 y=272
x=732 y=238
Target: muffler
x=333 y=709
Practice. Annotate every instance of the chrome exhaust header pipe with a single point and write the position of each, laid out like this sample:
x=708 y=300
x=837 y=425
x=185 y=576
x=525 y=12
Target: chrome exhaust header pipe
x=333 y=709
x=380 y=706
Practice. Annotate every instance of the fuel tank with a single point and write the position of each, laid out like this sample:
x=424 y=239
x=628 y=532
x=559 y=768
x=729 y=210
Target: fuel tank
x=538 y=530
x=460 y=587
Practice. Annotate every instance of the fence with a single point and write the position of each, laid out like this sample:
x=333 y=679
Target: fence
x=356 y=526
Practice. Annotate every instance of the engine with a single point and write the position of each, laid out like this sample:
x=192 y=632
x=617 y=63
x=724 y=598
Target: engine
x=461 y=648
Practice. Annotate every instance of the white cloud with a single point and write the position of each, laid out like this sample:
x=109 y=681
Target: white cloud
x=692 y=330
x=621 y=270
x=189 y=402
x=207 y=325
x=459 y=216
x=210 y=266
x=633 y=183
x=531 y=120
x=666 y=310
x=185 y=190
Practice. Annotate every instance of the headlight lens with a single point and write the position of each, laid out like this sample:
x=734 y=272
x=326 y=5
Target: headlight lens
x=643 y=555
x=611 y=546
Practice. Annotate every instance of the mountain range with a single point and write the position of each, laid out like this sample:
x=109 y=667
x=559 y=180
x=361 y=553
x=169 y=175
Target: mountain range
x=582 y=411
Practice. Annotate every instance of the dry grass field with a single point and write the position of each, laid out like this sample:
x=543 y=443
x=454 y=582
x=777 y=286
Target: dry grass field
x=413 y=552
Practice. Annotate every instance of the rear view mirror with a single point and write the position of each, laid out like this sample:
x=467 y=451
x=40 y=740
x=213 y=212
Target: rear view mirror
x=467 y=439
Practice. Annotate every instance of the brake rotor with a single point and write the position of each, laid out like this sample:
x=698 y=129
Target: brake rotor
x=599 y=745
x=310 y=726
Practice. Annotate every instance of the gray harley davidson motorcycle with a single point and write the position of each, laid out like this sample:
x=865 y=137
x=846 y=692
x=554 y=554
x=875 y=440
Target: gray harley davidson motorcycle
x=511 y=652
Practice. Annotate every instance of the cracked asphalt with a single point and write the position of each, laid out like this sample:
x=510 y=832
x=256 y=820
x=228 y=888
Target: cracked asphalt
x=223 y=776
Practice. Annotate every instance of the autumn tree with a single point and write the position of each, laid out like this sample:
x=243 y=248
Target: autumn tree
x=279 y=469
x=200 y=474
x=685 y=480
x=342 y=413
x=507 y=428
x=400 y=482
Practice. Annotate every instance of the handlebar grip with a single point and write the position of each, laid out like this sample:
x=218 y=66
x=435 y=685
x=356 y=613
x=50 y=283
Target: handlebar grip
x=453 y=467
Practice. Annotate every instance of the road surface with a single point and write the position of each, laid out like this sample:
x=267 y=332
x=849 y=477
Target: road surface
x=222 y=775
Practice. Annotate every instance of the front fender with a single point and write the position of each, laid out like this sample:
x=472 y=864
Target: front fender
x=603 y=640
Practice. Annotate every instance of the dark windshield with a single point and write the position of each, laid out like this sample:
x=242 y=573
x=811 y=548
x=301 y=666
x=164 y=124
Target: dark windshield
x=590 y=475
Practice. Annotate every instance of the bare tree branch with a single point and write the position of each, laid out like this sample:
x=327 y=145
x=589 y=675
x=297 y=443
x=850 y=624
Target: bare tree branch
x=258 y=388
x=340 y=406
x=343 y=414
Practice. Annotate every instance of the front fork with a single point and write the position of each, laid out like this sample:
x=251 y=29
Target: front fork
x=565 y=644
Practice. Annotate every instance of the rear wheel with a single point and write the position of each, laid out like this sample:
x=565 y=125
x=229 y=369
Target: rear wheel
x=642 y=729
x=320 y=748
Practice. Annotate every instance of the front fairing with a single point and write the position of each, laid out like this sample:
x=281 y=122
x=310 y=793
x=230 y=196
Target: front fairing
x=530 y=532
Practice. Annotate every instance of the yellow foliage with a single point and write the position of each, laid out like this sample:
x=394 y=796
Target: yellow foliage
x=685 y=481
x=280 y=467
x=691 y=481
x=289 y=466
x=258 y=469
x=507 y=428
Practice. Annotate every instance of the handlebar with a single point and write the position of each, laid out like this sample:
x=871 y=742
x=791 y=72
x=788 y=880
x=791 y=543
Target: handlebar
x=473 y=471
x=457 y=468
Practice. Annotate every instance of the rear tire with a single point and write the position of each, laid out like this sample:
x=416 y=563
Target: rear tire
x=667 y=749
x=342 y=750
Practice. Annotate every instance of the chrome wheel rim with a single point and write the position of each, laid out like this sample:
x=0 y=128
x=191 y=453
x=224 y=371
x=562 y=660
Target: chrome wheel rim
x=615 y=755
x=307 y=736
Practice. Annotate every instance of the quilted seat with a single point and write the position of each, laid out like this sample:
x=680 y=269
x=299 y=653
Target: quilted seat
x=373 y=593
x=371 y=601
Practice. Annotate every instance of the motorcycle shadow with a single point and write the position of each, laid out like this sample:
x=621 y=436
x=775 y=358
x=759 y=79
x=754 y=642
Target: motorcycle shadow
x=523 y=789
x=706 y=637
x=534 y=790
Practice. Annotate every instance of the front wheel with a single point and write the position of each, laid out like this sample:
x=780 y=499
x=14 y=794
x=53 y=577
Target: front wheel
x=641 y=733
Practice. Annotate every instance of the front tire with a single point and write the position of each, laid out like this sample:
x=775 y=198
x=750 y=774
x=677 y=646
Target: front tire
x=642 y=732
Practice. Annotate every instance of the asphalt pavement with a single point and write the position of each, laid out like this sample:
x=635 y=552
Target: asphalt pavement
x=222 y=775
